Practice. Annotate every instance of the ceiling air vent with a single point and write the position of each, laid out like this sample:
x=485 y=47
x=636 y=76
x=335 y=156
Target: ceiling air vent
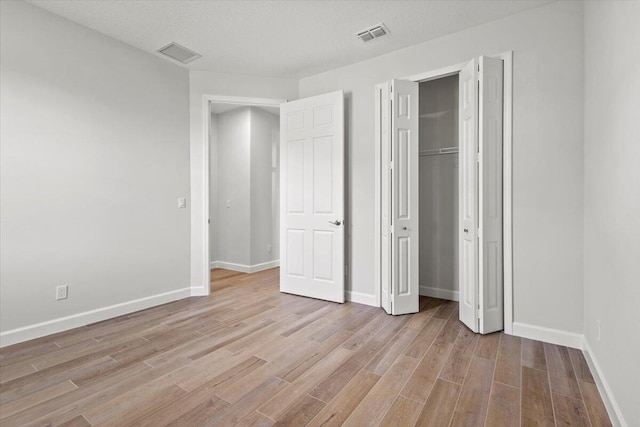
x=374 y=32
x=179 y=53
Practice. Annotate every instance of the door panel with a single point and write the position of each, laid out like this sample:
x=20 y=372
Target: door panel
x=383 y=119
x=404 y=196
x=490 y=213
x=312 y=202
x=468 y=194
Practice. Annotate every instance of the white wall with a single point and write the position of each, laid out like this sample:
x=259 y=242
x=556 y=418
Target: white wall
x=612 y=198
x=439 y=188
x=264 y=203
x=547 y=151
x=233 y=218
x=203 y=83
x=94 y=154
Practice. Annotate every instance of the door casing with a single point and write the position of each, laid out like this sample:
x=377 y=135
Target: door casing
x=507 y=170
x=200 y=245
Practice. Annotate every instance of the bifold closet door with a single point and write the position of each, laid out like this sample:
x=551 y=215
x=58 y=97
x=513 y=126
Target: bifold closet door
x=491 y=284
x=480 y=193
x=468 y=194
x=383 y=122
x=404 y=168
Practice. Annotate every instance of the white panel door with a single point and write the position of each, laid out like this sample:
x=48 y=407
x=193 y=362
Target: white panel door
x=468 y=194
x=312 y=197
x=491 y=304
x=383 y=119
x=405 y=286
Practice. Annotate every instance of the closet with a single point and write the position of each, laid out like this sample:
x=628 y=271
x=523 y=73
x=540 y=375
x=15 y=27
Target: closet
x=439 y=191
x=438 y=187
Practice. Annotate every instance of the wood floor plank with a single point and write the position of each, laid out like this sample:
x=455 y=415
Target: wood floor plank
x=202 y=414
x=426 y=373
x=403 y=412
x=488 y=346
x=580 y=366
x=340 y=407
x=247 y=348
x=277 y=405
x=439 y=407
x=377 y=402
x=533 y=354
x=569 y=412
x=142 y=408
x=471 y=408
x=301 y=412
x=504 y=406
x=537 y=409
x=33 y=399
x=445 y=310
x=255 y=419
x=561 y=376
x=390 y=352
x=293 y=371
x=425 y=337
x=455 y=368
x=337 y=379
x=78 y=421
x=251 y=401
x=593 y=402
x=508 y=361
x=205 y=393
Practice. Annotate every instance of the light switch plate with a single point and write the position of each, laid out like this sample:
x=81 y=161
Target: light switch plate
x=182 y=202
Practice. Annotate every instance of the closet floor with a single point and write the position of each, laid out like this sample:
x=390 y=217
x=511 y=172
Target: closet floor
x=249 y=355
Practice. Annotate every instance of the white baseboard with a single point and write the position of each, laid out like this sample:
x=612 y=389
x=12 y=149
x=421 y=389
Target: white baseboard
x=61 y=324
x=439 y=293
x=553 y=336
x=360 y=298
x=615 y=414
x=199 y=291
x=245 y=268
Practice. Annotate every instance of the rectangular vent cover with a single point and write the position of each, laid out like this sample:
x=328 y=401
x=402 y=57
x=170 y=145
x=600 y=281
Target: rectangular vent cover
x=179 y=53
x=374 y=32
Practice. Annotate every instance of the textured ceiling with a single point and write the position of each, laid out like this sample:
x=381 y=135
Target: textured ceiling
x=279 y=38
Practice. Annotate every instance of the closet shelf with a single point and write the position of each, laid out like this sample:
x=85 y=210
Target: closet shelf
x=439 y=151
x=434 y=115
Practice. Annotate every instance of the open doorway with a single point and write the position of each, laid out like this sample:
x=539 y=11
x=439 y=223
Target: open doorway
x=244 y=190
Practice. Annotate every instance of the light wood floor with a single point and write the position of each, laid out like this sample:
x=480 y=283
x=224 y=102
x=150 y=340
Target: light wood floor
x=249 y=355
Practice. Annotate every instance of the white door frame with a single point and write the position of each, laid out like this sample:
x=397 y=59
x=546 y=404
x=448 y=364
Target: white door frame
x=200 y=223
x=507 y=172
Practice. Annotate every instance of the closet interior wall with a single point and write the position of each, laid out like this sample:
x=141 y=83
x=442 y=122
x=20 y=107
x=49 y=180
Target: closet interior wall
x=438 y=144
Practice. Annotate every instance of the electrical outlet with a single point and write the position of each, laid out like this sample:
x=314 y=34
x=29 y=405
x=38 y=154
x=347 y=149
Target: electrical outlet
x=269 y=248
x=61 y=292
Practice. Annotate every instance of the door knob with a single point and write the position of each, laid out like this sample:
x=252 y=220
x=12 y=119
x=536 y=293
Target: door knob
x=404 y=228
x=466 y=230
x=337 y=223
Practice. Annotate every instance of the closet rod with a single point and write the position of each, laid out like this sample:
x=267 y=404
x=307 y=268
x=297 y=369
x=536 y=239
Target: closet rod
x=439 y=151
